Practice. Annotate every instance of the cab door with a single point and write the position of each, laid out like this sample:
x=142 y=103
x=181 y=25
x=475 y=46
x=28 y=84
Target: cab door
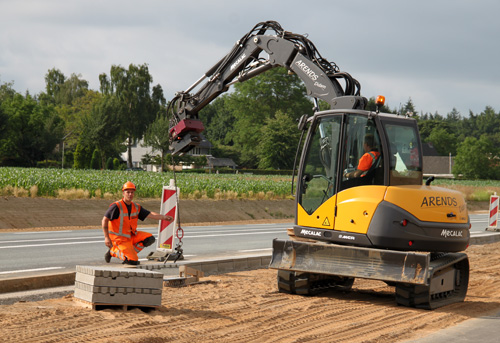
x=361 y=188
x=319 y=173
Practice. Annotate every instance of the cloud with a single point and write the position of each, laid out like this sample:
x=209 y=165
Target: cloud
x=441 y=54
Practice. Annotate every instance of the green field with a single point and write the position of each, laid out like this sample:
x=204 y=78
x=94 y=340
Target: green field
x=473 y=190
x=70 y=183
x=74 y=184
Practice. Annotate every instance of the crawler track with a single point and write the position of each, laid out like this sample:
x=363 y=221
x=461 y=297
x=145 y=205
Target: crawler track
x=448 y=284
x=311 y=284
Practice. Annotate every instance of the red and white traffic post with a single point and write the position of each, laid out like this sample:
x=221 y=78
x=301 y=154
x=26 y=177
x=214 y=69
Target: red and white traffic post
x=166 y=230
x=493 y=219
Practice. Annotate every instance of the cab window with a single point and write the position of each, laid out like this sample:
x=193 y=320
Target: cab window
x=362 y=163
x=405 y=155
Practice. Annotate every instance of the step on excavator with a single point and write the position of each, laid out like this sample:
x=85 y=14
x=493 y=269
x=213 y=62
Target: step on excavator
x=362 y=208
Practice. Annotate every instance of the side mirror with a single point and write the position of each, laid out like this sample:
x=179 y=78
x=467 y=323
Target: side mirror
x=303 y=122
x=429 y=180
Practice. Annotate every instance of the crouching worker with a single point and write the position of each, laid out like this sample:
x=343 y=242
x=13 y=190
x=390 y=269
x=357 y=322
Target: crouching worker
x=119 y=226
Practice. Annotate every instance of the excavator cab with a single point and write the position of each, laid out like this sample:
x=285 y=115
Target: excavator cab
x=357 y=148
x=336 y=143
x=361 y=176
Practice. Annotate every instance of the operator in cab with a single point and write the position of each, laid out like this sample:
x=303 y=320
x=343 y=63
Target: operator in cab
x=367 y=160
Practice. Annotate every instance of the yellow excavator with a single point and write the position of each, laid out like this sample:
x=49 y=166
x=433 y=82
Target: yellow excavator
x=362 y=209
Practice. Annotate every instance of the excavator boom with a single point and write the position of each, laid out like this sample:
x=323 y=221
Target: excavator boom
x=292 y=51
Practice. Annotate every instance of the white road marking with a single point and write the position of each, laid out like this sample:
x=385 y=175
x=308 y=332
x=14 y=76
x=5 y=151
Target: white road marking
x=253 y=250
x=101 y=241
x=44 y=245
x=31 y=270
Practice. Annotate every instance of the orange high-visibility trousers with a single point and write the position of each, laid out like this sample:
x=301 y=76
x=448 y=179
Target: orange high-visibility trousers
x=128 y=247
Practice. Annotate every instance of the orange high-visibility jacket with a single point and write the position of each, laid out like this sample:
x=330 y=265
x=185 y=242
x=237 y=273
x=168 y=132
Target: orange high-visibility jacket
x=367 y=160
x=123 y=226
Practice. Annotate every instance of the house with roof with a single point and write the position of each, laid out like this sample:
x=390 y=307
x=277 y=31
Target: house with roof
x=434 y=164
x=139 y=150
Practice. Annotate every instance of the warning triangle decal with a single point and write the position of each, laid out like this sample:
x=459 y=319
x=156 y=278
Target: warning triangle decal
x=326 y=222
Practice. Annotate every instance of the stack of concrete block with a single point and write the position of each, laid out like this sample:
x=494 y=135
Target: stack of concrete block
x=118 y=286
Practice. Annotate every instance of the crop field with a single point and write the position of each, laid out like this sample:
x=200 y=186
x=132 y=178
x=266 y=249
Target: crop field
x=473 y=190
x=73 y=184
x=77 y=184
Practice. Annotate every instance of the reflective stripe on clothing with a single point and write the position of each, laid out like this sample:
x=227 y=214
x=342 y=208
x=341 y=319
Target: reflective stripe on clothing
x=129 y=247
x=127 y=241
x=367 y=160
x=126 y=223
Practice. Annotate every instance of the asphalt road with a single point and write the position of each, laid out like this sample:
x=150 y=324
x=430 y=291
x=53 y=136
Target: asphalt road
x=23 y=253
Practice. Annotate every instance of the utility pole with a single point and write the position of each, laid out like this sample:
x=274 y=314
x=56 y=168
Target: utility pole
x=62 y=158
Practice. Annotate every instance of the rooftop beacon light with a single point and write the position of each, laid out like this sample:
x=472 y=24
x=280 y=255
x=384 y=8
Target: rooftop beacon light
x=380 y=101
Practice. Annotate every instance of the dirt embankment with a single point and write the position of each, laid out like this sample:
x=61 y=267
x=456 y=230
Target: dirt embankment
x=46 y=214
x=55 y=214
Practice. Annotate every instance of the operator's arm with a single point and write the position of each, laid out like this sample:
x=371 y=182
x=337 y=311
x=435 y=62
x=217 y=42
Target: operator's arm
x=365 y=162
x=356 y=173
x=105 y=231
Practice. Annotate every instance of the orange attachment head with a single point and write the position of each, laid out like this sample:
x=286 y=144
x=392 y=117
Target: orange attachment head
x=128 y=185
x=380 y=100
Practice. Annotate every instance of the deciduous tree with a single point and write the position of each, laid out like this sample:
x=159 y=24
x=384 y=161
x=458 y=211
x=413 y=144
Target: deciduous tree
x=158 y=138
x=477 y=159
x=137 y=104
x=278 y=144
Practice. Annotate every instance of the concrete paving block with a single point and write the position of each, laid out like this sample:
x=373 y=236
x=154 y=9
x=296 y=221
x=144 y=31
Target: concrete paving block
x=485 y=238
x=241 y=264
x=265 y=261
x=210 y=268
x=154 y=267
x=124 y=286
x=137 y=281
x=119 y=298
x=225 y=266
x=117 y=271
x=194 y=265
x=254 y=263
x=114 y=290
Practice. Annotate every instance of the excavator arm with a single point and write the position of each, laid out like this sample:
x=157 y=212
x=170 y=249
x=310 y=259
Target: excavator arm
x=322 y=79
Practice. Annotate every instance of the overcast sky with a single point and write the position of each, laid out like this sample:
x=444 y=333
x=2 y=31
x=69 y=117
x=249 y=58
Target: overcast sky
x=442 y=54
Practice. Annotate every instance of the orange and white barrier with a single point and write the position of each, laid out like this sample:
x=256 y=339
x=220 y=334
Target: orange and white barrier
x=166 y=229
x=493 y=219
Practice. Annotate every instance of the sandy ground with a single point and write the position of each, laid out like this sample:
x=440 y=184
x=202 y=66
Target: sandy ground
x=246 y=307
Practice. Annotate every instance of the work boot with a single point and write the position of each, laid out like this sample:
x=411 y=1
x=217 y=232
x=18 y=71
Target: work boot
x=148 y=241
x=133 y=263
x=107 y=256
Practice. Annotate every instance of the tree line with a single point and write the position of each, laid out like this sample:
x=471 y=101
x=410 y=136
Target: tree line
x=255 y=124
